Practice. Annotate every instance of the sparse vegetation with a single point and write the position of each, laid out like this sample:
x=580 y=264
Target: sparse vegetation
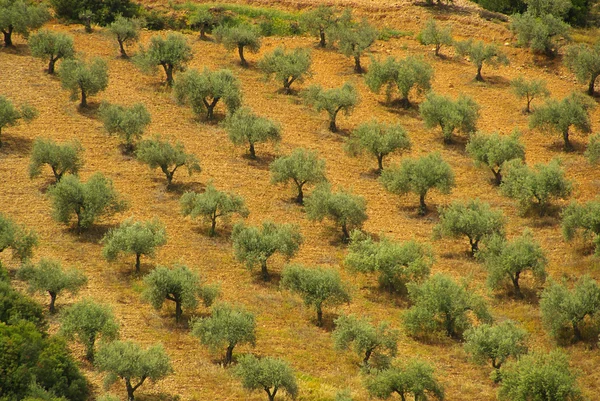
x=344 y=99
x=585 y=217
x=18 y=238
x=10 y=115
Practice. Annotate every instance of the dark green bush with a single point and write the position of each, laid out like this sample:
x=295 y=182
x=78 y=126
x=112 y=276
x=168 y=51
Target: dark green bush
x=103 y=11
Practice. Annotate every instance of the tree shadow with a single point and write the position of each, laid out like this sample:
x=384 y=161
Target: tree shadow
x=222 y=231
x=457 y=142
x=508 y=294
x=440 y=8
x=559 y=146
x=16 y=50
x=91 y=235
x=497 y=81
x=261 y=162
x=157 y=397
x=178 y=188
x=18 y=145
x=90 y=111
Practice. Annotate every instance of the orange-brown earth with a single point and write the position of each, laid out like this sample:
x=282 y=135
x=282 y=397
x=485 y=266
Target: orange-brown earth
x=285 y=326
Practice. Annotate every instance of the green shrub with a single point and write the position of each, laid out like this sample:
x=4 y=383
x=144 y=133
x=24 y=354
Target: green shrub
x=480 y=53
x=592 y=152
x=354 y=38
x=334 y=100
x=415 y=378
x=65 y=158
x=449 y=114
x=242 y=37
x=584 y=217
x=432 y=34
x=126 y=31
x=10 y=115
x=246 y=128
x=268 y=374
x=286 y=66
x=584 y=62
x=18 y=238
x=539 y=33
x=301 y=167
x=493 y=150
x=129 y=123
x=85 y=79
x=172 y=53
x=529 y=89
x=496 y=343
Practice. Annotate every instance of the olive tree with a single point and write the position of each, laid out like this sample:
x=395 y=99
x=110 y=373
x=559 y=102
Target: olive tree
x=419 y=176
x=134 y=237
x=10 y=115
x=301 y=167
x=354 y=38
x=129 y=123
x=416 y=378
x=246 y=128
x=493 y=150
x=480 y=53
x=51 y=46
x=334 y=100
x=473 y=219
x=286 y=67
x=557 y=117
x=126 y=31
x=157 y=153
x=86 y=200
x=203 y=91
x=585 y=217
x=496 y=343
x=449 y=114
x=541 y=33
x=61 y=158
x=82 y=78
x=240 y=37
x=320 y=21
x=48 y=276
x=172 y=53
x=16 y=237
x=529 y=89
x=539 y=376
x=378 y=139
x=268 y=374
x=592 y=152
x=317 y=286
x=254 y=246
x=566 y=314
x=179 y=285
x=211 y=205
x=505 y=261
x=534 y=188
x=584 y=61
x=397 y=263
x=379 y=342
x=205 y=20
x=226 y=327
x=345 y=209
x=439 y=305
x=411 y=74
x=127 y=360
x=20 y=17
x=87 y=321
x=433 y=34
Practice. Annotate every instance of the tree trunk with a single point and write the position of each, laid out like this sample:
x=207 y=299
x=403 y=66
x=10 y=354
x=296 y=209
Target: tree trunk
x=213 y=226
x=229 y=354
x=264 y=271
x=52 y=301
x=83 y=99
x=497 y=176
x=169 y=72
x=474 y=246
x=528 y=108
x=210 y=108
x=515 y=281
x=130 y=390
x=478 y=77
x=51 y=65
x=367 y=356
x=379 y=163
x=319 y=315
x=322 y=42
x=169 y=175
x=300 y=196
x=576 y=332
x=8 y=37
x=590 y=90
x=357 y=67
x=345 y=234
x=202 y=32
x=568 y=145
x=437 y=49
x=271 y=395
x=332 y=125
x=89 y=350
x=178 y=311
x=405 y=103
x=242 y=59
x=0 y=137
x=137 y=262
x=122 y=49
x=252 y=152
x=422 y=205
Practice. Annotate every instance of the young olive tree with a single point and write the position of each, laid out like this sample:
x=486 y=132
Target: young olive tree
x=354 y=38
x=126 y=31
x=241 y=37
x=286 y=66
x=10 y=115
x=317 y=286
x=449 y=114
x=584 y=61
x=87 y=321
x=179 y=285
x=439 y=305
x=493 y=150
x=480 y=53
x=496 y=343
x=592 y=152
x=172 y=53
x=61 y=158
x=378 y=139
x=83 y=79
x=16 y=237
x=433 y=34
x=397 y=263
x=567 y=314
x=134 y=237
x=419 y=176
x=345 y=209
x=585 y=217
x=203 y=90
x=379 y=342
x=268 y=374
x=205 y=20
x=505 y=261
x=48 y=276
x=540 y=33
x=334 y=100
x=51 y=46
x=211 y=205
x=246 y=128
x=539 y=376
x=535 y=187
x=128 y=123
x=86 y=200
x=557 y=117
x=408 y=74
x=162 y=154
x=226 y=327
x=529 y=90
x=301 y=167
x=320 y=21
x=473 y=219
x=20 y=17
x=416 y=379
x=254 y=246
x=128 y=361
